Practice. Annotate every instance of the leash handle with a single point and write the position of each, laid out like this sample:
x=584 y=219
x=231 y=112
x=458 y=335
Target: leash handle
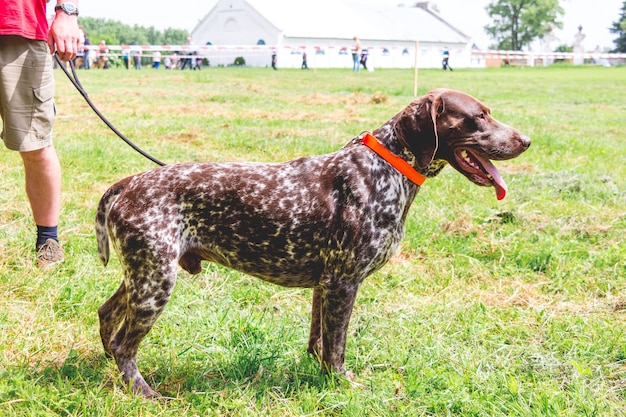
x=74 y=80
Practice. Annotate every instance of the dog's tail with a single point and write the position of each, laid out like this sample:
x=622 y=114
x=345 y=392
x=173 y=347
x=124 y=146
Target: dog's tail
x=102 y=236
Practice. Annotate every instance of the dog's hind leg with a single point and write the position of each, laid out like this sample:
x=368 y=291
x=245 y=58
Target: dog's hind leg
x=315 y=335
x=111 y=314
x=147 y=292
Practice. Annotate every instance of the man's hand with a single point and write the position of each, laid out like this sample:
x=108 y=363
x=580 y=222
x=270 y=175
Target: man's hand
x=64 y=36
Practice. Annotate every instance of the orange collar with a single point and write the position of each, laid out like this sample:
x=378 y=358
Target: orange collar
x=398 y=163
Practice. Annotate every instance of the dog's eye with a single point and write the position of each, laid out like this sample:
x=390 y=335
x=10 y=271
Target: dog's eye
x=470 y=123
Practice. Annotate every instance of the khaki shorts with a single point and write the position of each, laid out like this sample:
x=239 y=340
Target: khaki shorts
x=26 y=93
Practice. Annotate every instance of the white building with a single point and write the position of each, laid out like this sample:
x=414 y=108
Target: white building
x=324 y=29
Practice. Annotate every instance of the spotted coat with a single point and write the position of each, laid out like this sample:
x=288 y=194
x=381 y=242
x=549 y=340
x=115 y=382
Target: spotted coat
x=324 y=222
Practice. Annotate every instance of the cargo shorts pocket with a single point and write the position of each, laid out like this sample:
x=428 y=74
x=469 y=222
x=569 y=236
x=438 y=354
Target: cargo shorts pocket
x=43 y=111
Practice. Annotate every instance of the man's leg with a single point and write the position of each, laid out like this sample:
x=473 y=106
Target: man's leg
x=43 y=187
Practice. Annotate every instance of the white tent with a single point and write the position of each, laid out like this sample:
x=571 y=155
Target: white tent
x=324 y=29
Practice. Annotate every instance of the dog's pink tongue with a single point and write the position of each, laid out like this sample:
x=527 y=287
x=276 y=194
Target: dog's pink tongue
x=500 y=188
x=496 y=179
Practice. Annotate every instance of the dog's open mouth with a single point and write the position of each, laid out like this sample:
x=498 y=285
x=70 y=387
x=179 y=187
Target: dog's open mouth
x=480 y=170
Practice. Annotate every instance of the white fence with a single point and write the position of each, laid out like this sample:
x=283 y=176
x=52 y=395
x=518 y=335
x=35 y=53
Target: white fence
x=429 y=56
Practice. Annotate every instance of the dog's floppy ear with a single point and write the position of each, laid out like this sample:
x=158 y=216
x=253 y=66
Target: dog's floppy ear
x=416 y=127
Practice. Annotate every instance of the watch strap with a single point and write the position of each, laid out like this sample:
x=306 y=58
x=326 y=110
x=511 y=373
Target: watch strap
x=68 y=8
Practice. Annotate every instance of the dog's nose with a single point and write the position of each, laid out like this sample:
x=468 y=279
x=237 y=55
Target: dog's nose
x=525 y=141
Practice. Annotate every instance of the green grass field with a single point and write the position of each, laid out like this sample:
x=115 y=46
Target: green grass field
x=511 y=308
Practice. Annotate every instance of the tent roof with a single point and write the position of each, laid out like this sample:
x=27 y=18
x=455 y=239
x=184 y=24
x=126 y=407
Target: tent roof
x=344 y=19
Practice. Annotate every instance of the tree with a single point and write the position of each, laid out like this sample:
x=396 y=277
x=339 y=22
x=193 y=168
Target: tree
x=619 y=28
x=517 y=23
x=117 y=33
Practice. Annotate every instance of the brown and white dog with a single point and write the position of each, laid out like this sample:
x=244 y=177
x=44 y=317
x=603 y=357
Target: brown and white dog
x=324 y=222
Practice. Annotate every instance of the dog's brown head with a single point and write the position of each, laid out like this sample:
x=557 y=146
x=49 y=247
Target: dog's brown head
x=452 y=126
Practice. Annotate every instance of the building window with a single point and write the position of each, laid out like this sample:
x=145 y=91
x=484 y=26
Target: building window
x=231 y=25
x=260 y=42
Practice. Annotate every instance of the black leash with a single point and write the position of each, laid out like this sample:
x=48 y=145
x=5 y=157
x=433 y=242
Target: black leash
x=74 y=79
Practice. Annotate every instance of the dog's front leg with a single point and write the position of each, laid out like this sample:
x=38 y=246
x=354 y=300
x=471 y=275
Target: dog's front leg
x=315 y=335
x=337 y=301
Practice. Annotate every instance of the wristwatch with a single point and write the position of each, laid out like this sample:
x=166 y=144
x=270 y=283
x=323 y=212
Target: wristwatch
x=68 y=8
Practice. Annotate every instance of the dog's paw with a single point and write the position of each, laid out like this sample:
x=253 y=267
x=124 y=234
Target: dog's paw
x=350 y=377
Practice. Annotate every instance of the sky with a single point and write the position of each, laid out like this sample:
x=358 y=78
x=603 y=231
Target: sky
x=469 y=16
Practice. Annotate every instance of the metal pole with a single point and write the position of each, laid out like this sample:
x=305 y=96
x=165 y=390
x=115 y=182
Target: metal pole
x=415 y=70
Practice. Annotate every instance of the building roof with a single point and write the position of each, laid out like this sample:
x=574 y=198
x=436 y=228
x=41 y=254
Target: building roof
x=344 y=19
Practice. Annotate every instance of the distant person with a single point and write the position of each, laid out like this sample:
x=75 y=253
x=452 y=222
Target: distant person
x=79 y=60
x=188 y=59
x=102 y=58
x=167 y=62
x=174 y=60
x=86 y=45
x=446 y=57
x=356 y=55
x=274 y=59
x=364 y=58
x=304 y=63
x=156 y=59
x=126 y=56
x=27 y=41
x=136 y=54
